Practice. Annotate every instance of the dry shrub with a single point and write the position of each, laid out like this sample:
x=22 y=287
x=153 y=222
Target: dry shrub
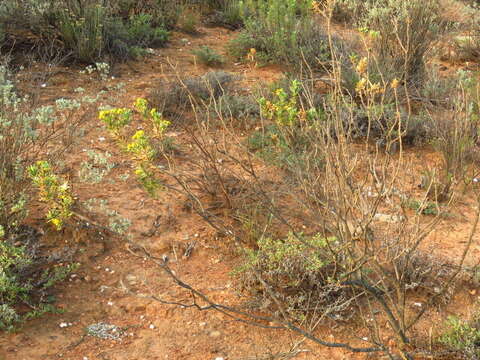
x=175 y=97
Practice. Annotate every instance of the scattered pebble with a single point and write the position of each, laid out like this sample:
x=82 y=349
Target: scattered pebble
x=417 y=304
x=110 y=303
x=152 y=326
x=104 y=331
x=101 y=138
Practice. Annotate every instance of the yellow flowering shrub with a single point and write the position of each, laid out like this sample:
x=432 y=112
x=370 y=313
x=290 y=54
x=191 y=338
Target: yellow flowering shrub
x=54 y=193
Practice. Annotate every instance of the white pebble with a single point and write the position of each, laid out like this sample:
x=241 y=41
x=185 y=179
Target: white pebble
x=152 y=326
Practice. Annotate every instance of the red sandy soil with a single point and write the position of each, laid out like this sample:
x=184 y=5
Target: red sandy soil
x=153 y=330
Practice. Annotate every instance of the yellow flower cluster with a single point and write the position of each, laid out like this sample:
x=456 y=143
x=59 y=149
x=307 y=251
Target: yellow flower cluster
x=51 y=191
x=115 y=119
x=140 y=145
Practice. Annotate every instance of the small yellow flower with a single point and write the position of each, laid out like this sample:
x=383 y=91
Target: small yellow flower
x=395 y=83
x=362 y=66
x=376 y=89
x=361 y=85
x=316 y=7
x=251 y=55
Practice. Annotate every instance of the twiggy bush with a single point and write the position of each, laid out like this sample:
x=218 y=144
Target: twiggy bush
x=398 y=35
x=455 y=134
x=363 y=256
x=175 y=97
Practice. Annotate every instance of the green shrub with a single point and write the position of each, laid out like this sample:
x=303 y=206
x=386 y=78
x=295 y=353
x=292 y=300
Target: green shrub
x=462 y=336
x=86 y=30
x=81 y=29
x=297 y=268
x=91 y=33
x=189 y=20
x=22 y=280
x=165 y=13
x=226 y=13
x=142 y=32
x=281 y=31
x=208 y=56
x=26 y=274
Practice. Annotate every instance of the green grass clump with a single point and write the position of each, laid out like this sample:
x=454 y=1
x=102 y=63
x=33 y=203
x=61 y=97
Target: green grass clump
x=208 y=56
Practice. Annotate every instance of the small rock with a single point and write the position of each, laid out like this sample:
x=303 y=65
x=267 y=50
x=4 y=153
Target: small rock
x=215 y=334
